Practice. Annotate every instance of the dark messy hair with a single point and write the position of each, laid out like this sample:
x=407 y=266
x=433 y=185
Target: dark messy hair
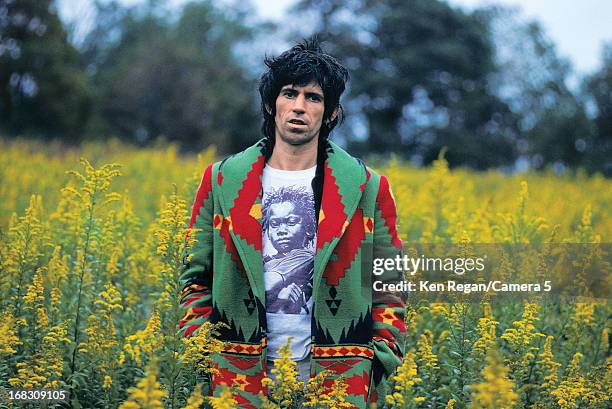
x=299 y=197
x=304 y=63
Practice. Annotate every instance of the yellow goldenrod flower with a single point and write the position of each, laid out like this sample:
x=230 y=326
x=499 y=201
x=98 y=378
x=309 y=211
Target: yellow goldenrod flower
x=55 y=275
x=8 y=333
x=101 y=334
x=112 y=267
x=585 y=232
x=439 y=309
x=486 y=328
x=456 y=313
x=426 y=358
x=286 y=389
x=444 y=335
x=43 y=368
x=36 y=314
x=108 y=382
x=170 y=231
x=96 y=181
x=496 y=391
x=56 y=272
x=573 y=385
x=118 y=239
x=201 y=345
x=66 y=219
x=405 y=381
x=148 y=393
x=34 y=292
x=520 y=338
x=548 y=364
x=225 y=400
x=413 y=318
x=583 y=316
x=575 y=388
x=519 y=227
x=196 y=399
x=145 y=341
x=523 y=332
x=326 y=391
x=27 y=240
x=110 y=299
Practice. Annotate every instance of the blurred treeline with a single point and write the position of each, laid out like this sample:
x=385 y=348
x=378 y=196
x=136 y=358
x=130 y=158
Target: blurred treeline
x=487 y=85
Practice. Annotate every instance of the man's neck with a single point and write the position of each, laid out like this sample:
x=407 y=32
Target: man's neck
x=291 y=157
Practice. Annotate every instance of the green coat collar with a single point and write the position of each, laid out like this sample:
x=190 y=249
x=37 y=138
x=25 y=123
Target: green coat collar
x=240 y=192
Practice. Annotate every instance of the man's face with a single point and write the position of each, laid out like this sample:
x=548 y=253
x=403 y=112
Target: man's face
x=299 y=113
x=286 y=227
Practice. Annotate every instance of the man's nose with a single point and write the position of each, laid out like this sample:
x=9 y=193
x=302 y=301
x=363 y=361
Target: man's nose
x=299 y=106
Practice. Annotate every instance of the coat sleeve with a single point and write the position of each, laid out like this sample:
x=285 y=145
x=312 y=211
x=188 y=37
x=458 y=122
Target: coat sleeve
x=388 y=308
x=196 y=272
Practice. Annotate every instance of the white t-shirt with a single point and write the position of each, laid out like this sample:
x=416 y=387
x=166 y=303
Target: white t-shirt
x=289 y=240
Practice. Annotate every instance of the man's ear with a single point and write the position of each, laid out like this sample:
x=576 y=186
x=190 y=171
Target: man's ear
x=333 y=115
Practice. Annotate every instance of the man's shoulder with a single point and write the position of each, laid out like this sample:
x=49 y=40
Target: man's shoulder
x=342 y=154
x=242 y=160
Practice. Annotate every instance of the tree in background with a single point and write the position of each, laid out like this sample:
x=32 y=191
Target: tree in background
x=533 y=80
x=42 y=89
x=488 y=85
x=599 y=87
x=180 y=79
x=420 y=72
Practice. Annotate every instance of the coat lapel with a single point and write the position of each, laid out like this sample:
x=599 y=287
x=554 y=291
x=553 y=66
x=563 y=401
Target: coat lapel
x=344 y=179
x=239 y=183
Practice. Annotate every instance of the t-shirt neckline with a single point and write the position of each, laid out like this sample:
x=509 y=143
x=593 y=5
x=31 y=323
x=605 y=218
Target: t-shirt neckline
x=280 y=172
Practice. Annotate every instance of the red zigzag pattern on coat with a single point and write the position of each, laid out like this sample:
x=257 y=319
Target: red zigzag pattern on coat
x=203 y=192
x=247 y=383
x=358 y=385
x=347 y=249
x=245 y=225
x=333 y=210
x=387 y=210
x=230 y=247
x=362 y=187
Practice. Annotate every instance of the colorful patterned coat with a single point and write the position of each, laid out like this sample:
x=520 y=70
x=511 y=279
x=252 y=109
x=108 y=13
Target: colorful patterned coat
x=356 y=332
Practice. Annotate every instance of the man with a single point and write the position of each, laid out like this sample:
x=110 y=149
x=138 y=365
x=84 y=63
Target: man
x=288 y=230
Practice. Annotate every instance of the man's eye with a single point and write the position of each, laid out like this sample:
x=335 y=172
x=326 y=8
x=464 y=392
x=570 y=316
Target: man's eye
x=289 y=93
x=274 y=223
x=314 y=98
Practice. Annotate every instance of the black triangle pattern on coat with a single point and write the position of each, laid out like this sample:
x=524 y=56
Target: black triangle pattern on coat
x=249 y=302
x=333 y=304
x=259 y=333
x=359 y=332
x=235 y=334
x=231 y=332
x=322 y=337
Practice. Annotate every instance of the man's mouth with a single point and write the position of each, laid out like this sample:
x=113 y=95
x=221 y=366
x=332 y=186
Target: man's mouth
x=297 y=122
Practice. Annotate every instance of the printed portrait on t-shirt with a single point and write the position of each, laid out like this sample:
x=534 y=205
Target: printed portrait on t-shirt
x=289 y=227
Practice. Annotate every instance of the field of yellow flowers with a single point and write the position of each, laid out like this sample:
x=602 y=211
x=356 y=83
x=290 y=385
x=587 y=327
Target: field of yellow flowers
x=89 y=257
